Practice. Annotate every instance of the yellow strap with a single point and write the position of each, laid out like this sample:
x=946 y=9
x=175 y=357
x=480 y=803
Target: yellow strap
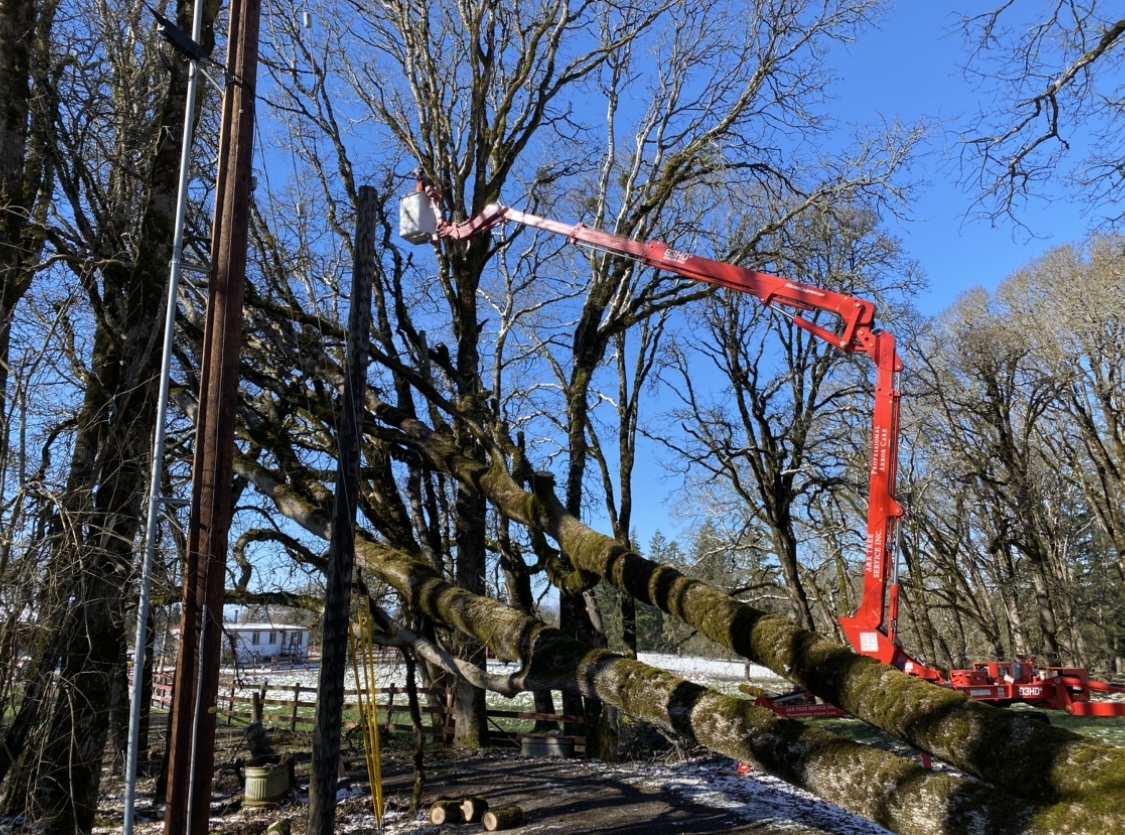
x=368 y=709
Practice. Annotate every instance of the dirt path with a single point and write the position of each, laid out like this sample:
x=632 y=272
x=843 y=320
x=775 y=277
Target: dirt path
x=575 y=797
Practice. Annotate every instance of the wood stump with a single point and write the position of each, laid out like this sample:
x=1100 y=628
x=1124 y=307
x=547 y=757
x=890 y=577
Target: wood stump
x=473 y=809
x=506 y=817
x=445 y=811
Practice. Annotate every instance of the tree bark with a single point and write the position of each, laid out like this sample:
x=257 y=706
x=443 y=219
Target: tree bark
x=506 y=817
x=446 y=811
x=473 y=809
x=341 y=553
x=1030 y=759
x=894 y=792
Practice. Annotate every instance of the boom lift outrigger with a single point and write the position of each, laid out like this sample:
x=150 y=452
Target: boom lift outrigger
x=873 y=630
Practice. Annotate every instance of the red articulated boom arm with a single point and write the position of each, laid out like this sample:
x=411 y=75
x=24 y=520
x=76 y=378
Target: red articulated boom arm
x=873 y=628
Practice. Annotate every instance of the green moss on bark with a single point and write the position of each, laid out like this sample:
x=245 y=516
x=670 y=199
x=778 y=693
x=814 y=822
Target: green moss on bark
x=1036 y=762
x=889 y=790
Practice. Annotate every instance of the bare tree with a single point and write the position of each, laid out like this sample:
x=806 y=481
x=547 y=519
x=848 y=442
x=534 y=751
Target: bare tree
x=1070 y=302
x=1056 y=109
x=480 y=86
x=25 y=181
x=996 y=399
x=776 y=432
x=25 y=166
x=114 y=150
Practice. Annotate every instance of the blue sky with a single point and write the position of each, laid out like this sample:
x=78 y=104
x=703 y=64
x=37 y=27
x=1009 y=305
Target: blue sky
x=911 y=68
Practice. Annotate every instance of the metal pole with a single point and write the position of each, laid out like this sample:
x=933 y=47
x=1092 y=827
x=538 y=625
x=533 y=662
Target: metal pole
x=155 y=498
x=197 y=712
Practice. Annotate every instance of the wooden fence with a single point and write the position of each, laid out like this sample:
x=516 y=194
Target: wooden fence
x=297 y=711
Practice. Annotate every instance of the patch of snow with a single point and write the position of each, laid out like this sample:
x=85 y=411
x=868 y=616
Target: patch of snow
x=755 y=797
x=350 y=791
x=704 y=669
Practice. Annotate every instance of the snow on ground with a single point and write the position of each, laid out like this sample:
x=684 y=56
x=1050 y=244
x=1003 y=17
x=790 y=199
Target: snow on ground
x=703 y=670
x=757 y=799
x=281 y=683
x=754 y=799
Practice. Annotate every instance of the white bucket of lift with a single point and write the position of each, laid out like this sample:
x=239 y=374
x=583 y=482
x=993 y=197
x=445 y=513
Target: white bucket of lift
x=417 y=222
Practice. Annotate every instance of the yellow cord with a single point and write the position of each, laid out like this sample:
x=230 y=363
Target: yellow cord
x=376 y=766
x=368 y=710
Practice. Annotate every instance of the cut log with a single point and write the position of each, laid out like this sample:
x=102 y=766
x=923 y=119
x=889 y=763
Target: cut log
x=445 y=811
x=506 y=817
x=473 y=809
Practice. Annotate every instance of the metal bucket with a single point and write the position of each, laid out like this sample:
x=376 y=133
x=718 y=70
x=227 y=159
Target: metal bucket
x=547 y=745
x=265 y=785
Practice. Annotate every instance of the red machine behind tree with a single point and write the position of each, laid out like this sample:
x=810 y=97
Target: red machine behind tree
x=873 y=630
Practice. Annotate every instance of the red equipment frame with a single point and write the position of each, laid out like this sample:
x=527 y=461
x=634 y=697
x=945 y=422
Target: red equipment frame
x=873 y=630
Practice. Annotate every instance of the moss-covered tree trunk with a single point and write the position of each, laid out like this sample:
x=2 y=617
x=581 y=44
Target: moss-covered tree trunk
x=895 y=792
x=576 y=608
x=469 y=706
x=1035 y=761
x=470 y=510
x=889 y=790
x=517 y=582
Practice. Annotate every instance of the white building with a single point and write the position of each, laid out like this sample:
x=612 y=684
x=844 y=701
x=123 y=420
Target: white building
x=254 y=642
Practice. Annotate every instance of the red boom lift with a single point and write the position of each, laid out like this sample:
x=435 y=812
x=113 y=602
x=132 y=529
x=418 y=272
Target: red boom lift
x=874 y=627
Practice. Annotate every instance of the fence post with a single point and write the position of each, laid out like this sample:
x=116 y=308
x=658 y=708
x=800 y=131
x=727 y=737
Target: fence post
x=448 y=720
x=296 y=702
x=390 y=708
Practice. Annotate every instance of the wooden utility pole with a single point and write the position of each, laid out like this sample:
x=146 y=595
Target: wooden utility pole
x=341 y=550
x=192 y=744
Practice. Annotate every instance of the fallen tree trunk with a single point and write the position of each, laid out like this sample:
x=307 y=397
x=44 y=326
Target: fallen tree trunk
x=473 y=809
x=883 y=788
x=1034 y=760
x=889 y=790
x=446 y=811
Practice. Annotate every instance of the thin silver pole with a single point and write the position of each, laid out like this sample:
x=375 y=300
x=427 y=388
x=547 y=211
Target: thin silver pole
x=155 y=498
x=196 y=715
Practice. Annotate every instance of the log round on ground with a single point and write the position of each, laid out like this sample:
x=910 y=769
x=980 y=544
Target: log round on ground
x=473 y=809
x=506 y=817
x=445 y=811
